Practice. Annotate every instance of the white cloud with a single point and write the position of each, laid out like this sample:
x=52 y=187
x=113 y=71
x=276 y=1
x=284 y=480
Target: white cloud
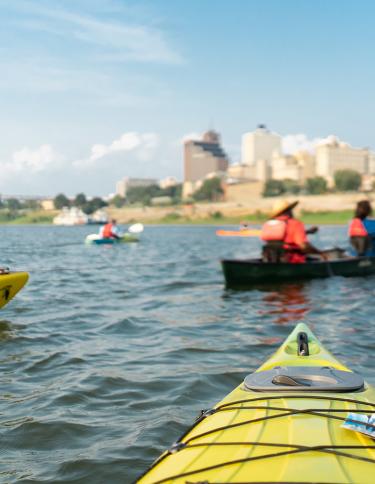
x=191 y=137
x=27 y=162
x=296 y=142
x=40 y=159
x=35 y=160
x=142 y=146
x=120 y=39
x=299 y=142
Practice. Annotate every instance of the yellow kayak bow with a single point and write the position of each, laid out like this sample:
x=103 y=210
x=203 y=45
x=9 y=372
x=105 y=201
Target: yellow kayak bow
x=283 y=424
x=10 y=284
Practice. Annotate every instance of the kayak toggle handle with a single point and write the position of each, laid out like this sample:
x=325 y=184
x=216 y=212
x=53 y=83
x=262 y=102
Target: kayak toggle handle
x=205 y=413
x=303 y=344
x=176 y=447
x=289 y=381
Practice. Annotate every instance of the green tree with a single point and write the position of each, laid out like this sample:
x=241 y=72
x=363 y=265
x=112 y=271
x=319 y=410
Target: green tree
x=31 y=204
x=118 y=201
x=143 y=194
x=61 y=201
x=211 y=190
x=316 y=185
x=347 y=180
x=14 y=204
x=291 y=186
x=273 y=188
x=80 y=200
x=93 y=205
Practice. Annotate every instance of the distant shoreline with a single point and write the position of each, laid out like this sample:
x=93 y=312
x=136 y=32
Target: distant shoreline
x=328 y=209
x=341 y=217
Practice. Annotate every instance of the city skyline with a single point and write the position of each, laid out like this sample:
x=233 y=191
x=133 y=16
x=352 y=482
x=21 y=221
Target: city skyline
x=94 y=91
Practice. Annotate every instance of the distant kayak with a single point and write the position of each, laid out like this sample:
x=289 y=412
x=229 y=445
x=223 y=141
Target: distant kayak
x=97 y=240
x=238 y=233
x=10 y=284
x=132 y=235
x=302 y=417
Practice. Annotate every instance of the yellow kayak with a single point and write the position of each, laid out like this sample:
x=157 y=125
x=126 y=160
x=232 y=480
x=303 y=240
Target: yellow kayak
x=10 y=284
x=282 y=424
x=238 y=233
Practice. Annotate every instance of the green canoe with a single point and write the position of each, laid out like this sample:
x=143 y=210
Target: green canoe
x=248 y=272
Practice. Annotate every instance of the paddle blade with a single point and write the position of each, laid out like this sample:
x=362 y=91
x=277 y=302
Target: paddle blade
x=92 y=237
x=136 y=228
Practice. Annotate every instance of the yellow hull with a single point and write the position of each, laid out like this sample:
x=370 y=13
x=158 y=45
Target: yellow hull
x=10 y=284
x=276 y=436
x=238 y=233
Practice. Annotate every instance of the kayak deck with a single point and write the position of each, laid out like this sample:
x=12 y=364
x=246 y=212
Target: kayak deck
x=126 y=238
x=252 y=271
x=10 y=284
x=275 y=437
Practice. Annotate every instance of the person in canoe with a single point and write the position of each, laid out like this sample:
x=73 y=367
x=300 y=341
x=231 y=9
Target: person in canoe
x=110 y=230
x=362 y=230
x=286 y=237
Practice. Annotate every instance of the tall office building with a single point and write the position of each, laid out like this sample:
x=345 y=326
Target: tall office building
x=204 y=157
x=259 y=145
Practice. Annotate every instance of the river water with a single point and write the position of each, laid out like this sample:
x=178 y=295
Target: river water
x=109 y=353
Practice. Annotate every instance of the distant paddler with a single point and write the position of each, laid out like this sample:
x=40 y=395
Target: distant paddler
x=362 y=230
x=285 y=237
x=110 y=230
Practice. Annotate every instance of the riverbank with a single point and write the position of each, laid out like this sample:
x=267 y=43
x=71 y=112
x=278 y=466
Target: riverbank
x=313 y=209
x=44 y=217
x=312 y=218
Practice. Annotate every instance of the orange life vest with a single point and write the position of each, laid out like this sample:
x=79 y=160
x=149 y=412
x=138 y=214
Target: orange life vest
x=107 y=231
x=280 y=230
x=273 y=230
x=357 y=228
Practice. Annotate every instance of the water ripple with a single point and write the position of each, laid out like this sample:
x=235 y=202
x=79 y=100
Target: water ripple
x=110 y=353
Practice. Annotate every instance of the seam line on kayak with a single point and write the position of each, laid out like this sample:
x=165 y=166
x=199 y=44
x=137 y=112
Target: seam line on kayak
x=297 y=450
x=229 y=406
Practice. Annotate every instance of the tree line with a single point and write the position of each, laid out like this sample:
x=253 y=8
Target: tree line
x=80 y=201
x=345 y=181
x=211 y=190
x=140 y=195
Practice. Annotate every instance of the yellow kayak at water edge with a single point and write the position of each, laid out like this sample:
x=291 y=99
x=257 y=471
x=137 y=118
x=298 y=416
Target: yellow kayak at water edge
x=10 y=284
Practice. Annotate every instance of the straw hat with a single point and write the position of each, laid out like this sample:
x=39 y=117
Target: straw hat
x=282 y=206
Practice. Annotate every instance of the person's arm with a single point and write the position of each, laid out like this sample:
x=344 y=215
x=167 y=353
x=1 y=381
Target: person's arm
x=312 y=230
x=115 y=233
x=306 y=246
x=309 y=248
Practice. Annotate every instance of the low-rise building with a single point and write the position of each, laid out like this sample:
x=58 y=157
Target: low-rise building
x=334 y=155
x=168 y=182
x=297 y=167
x=122 y=186
x=47 y=204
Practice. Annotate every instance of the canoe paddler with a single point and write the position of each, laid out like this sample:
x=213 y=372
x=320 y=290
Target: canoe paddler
x=286 y=237
x=110 y=230
x=362 y=230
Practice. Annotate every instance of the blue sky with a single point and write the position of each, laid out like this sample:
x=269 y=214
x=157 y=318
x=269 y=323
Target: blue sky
x=94 y=90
